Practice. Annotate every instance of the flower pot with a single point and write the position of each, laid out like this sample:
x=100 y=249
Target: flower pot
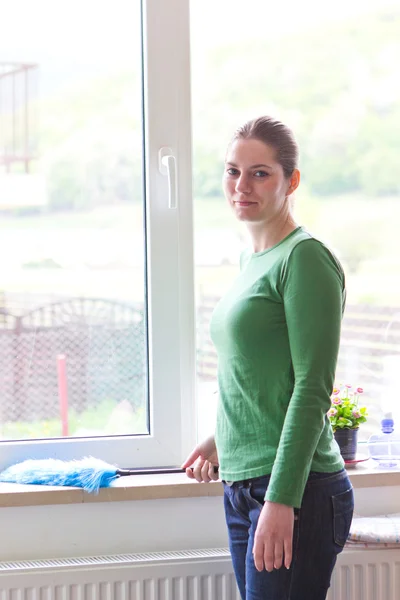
x=347 y=440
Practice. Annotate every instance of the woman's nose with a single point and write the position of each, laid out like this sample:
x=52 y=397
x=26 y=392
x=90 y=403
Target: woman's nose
x=243 y=184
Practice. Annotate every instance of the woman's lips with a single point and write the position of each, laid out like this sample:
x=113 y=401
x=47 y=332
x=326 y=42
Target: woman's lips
x=244 y=203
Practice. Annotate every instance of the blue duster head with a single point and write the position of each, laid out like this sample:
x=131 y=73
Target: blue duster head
x=88 y=473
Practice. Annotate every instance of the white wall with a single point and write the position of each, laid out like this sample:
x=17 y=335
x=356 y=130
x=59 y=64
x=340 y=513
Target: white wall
x=135 y=526
x=111 y=528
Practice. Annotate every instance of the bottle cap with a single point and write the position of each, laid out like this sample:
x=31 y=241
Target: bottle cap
x=387 y=425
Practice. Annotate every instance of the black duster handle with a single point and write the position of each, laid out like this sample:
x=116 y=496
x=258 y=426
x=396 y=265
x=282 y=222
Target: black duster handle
x=153 y=471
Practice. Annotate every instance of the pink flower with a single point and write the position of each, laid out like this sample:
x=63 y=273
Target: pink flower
x=360 y=390
x=337 y=401
x=356 y=414
x=348 y=386
x=332 y=412
x=336 y=390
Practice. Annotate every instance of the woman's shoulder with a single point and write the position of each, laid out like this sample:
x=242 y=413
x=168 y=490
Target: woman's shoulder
x=306 y=244
x=308 y=251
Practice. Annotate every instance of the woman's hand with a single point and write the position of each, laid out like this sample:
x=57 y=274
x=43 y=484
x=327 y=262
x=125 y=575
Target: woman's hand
x=274 y=537
x=203 y=458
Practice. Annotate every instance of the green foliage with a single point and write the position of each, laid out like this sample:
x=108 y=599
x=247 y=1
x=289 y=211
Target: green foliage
x=207 y=176
x=379 y=146
x=345 y=410
x=65 y=185
x=336 y=85
x=45 y=263
x=357 y=245
x=102 y=179
x=103 y=419
x=91 y=143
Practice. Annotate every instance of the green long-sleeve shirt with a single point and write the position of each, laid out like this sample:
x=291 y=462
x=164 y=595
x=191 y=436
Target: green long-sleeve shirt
x=277 y=333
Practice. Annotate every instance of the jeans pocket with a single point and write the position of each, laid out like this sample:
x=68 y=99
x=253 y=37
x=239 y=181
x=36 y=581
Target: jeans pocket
x=256 y=493
x=343 y=506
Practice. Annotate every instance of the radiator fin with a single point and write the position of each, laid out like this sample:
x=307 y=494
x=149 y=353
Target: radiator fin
x=115 y=559
x=367 y=575
x=187 y=575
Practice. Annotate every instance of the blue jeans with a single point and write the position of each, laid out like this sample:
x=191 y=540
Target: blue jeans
x=321 y=528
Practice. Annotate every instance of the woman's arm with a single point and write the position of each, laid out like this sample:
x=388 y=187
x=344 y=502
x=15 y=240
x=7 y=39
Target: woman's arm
x=313 y=295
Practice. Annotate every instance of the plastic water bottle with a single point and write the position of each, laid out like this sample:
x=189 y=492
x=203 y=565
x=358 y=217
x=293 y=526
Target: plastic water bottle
x=385 y=447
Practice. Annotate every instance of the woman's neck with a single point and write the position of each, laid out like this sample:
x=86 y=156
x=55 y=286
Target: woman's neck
x=266 y=235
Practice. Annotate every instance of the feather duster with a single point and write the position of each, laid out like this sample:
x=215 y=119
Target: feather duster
x=88 y=473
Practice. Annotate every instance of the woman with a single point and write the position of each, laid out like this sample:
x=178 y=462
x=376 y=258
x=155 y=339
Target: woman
x=288 y=500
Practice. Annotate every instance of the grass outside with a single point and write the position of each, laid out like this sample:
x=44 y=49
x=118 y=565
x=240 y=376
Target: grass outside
x=349 y=224
x=109 y=418
x=101 y=248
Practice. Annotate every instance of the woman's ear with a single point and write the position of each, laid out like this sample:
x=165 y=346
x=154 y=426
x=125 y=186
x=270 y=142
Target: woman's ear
x=294 y=182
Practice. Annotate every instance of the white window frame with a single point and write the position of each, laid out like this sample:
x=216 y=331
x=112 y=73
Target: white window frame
x=170 y=284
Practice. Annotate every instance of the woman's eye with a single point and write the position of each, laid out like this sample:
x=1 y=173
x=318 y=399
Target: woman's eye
x=232 y=171
x=261 y=174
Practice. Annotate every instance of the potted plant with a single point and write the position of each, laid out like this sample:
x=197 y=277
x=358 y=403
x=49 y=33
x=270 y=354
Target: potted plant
x=346 y=416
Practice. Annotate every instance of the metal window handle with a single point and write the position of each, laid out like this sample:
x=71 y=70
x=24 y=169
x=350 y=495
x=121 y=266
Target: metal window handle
x=167 y=166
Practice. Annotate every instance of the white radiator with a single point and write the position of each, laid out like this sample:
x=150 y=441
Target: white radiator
x=186 y=575
x=362 y=574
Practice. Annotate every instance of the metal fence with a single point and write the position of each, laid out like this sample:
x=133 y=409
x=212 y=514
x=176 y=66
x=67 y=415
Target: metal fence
x=370 y=341
x=104 y=345
x=369 y=352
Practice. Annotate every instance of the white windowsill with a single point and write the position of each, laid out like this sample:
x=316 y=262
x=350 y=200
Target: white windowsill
x=159 y=487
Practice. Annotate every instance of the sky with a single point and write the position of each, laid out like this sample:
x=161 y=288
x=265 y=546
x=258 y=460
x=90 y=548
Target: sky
x=242 y=19
x=104 y=30
x=70 y=40
x=80 y=39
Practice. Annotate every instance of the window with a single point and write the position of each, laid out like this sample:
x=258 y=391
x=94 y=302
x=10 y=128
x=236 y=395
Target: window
x=98 y=292
x=96 y=320
x=334 y=77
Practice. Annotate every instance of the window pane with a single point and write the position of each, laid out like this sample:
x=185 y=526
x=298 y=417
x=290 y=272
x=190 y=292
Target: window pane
x=73 y=321
x=334 y=77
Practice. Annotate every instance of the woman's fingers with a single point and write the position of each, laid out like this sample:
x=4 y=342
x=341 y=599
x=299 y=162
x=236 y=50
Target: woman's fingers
x=269 y=555
x=209 y=472
x=258 y=552
x=194 y=455
x=278 y=555
x=189 y=473
x=197 y=469
x=288 y=549
x=205 y=472
x=213 y=472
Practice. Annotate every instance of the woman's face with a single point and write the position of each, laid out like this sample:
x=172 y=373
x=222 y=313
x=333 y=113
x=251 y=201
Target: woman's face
x=254 y=183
